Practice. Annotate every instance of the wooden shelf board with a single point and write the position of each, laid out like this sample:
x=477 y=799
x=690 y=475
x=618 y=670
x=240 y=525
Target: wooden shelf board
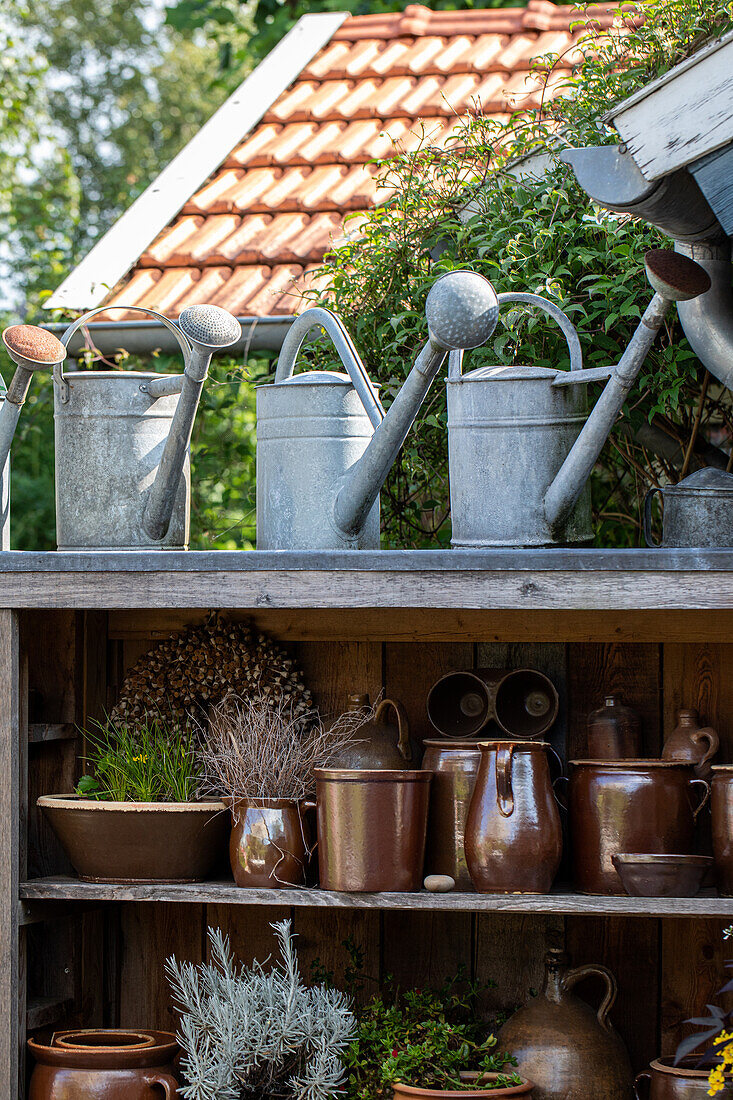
x=215 y=893
x=47 y=1011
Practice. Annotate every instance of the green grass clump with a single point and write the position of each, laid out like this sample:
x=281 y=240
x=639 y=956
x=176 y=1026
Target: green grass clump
x=148 y=762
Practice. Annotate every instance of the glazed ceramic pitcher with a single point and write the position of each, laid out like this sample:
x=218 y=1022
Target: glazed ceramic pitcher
x=513 y=833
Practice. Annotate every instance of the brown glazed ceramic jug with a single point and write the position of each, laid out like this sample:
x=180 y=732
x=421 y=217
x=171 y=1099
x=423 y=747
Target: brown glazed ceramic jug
x=636 y=806
x=567 y=1049
x=683 y=1082
x=454 y=765
x=614 y=731
x=379 y=744
x=105 y=1065
x=692 y=744
x=513 y=833
x=269 y=843
x=722 y=807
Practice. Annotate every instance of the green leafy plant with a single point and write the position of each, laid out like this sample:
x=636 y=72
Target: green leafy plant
x=147 y=762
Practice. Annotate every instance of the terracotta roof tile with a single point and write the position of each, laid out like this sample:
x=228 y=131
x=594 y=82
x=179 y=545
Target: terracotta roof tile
x=384 y=82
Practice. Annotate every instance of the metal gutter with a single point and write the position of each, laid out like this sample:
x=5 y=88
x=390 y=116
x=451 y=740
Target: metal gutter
x=145 y=337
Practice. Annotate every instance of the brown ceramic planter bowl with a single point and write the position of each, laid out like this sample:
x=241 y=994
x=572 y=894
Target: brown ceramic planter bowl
x=666 y=1081
x=661 y=876
x=525 y=1089
x=139 y=841
x=105 y=1069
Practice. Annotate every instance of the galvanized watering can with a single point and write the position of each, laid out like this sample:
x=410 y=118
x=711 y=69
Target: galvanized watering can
x=697 y=511
x=122 y=442
x=521 y=445
x=325 y=444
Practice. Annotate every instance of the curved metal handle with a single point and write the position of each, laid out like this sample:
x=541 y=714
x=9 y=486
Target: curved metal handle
x=648 y=536
x=403 y=725
x=504 y=792
x=166 y=1081
x=574 y=976
x=713 y=741
x=643 y=1076
x=318 y=317
x=704 y=798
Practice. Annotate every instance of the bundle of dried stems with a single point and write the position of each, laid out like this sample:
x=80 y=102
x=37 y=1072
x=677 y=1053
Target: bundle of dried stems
x=254 y=748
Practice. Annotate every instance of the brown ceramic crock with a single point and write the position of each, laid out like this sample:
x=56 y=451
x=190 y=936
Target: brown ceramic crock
x=645 y=806
x=380 y=743
x=454 y=765
x=722 y=812
x=139 y=841
x=513 y=832
x=614 y=731
x=107 y=1067
x=683 y=1082
x=525 y=1089
x=371 y=828
x=692 y=743
x=569 y=1050
x=269 y=844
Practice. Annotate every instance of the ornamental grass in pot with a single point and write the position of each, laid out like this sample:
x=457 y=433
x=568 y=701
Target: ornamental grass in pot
x=138 y=817
x=259 y=757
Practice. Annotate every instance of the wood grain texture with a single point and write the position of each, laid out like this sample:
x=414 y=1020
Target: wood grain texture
x=629 y=671
x=150 y=934
x=693 y=954
x=12 y=945
x=510 y=951
x=700 y=675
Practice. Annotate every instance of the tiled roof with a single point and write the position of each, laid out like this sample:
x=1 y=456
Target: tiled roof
x=268 y=214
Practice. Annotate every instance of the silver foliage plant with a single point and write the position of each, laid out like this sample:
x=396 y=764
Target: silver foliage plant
x=249 y=1033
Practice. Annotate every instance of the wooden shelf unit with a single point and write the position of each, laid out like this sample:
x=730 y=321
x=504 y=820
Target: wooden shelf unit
x=656 y=627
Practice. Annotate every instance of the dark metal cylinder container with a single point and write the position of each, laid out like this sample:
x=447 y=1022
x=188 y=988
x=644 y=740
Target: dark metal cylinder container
x=641 y=806
x=454 y=765
x=513 y=832
x=697 y=511
x=614 y=731
x=522 y=702
x=371 y=828
x=722 y=809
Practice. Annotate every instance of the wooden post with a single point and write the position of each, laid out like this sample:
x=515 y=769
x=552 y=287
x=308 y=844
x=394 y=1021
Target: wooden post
x=12 y=1029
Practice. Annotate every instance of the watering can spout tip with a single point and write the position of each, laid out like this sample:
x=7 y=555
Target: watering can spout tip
x=677 y=278
x=33 y=346
x=209 y=325
x=462 y=310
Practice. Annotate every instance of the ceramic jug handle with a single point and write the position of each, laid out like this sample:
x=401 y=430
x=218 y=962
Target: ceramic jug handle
x=648 y=536
x=580 y=972
x=403 y=725
x=708 y=734
x=645 y=1076
x=705 y=797
x=166 y=1081
x=504 y=792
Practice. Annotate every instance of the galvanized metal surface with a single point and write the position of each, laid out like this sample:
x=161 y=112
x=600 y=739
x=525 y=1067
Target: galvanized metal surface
x=697 y=511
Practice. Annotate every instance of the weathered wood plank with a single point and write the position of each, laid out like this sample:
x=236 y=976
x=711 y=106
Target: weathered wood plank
x=693 y=954
x=510 y=951
x=629 y=671
x=47 y=1011
x=150 y=934
x=12 y=945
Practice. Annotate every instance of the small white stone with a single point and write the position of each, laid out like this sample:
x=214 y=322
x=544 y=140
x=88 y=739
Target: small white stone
x=439 y=884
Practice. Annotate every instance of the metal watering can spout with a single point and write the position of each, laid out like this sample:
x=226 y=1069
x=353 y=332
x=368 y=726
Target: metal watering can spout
x=31 y=349
x=674 y=278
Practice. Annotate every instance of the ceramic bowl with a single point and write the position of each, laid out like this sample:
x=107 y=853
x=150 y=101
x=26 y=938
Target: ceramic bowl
x=661 y=876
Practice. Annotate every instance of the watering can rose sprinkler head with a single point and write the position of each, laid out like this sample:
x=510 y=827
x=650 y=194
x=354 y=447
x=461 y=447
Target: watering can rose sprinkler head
x=462 y=310
x=31 y=348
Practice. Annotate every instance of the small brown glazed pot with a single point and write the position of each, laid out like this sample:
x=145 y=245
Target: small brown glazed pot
x=683 y=1082
x=106 y=1067
x=692 y=743
x=525 y=1089
x=614 y=731
x=655 y=876
x=454 y=765
x=513 y=832
x=629 y=806
x=138 y=841
x=371 y=828
x=722 y=807
x=269 y=844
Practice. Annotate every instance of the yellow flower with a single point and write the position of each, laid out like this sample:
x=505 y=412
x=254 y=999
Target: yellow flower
x=716 y=1077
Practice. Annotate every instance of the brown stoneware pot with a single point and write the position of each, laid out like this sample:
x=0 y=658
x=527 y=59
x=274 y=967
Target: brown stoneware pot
x=138 y=841
x=105 y=1066
x=569 y=1051
x=614 y=731
x=692 y=743
x=381 y=743
x=454 y=765
x=647 y=806
x=665 y=1081
x=269 y=844
x=722 y=806
x=525 y=1089
x=513 y=832
x=371 y=828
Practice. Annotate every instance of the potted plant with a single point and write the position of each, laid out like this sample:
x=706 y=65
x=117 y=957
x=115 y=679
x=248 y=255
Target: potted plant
x=137 y=816
x=259 y=757
x=256 y=1032
x=428 y=1043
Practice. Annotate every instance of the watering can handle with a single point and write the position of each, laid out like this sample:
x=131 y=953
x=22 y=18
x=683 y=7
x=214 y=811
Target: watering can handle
x=318 y=317
x=648 y=533
x=569 y=331
x=58 y=370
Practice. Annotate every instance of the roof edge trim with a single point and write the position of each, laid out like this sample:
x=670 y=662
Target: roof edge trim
x=116 y=252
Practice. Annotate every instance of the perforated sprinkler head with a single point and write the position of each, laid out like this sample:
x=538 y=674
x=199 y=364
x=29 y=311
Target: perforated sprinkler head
x=33 y=348
x=210 y=326
x=677 y=278
x=462 y=310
